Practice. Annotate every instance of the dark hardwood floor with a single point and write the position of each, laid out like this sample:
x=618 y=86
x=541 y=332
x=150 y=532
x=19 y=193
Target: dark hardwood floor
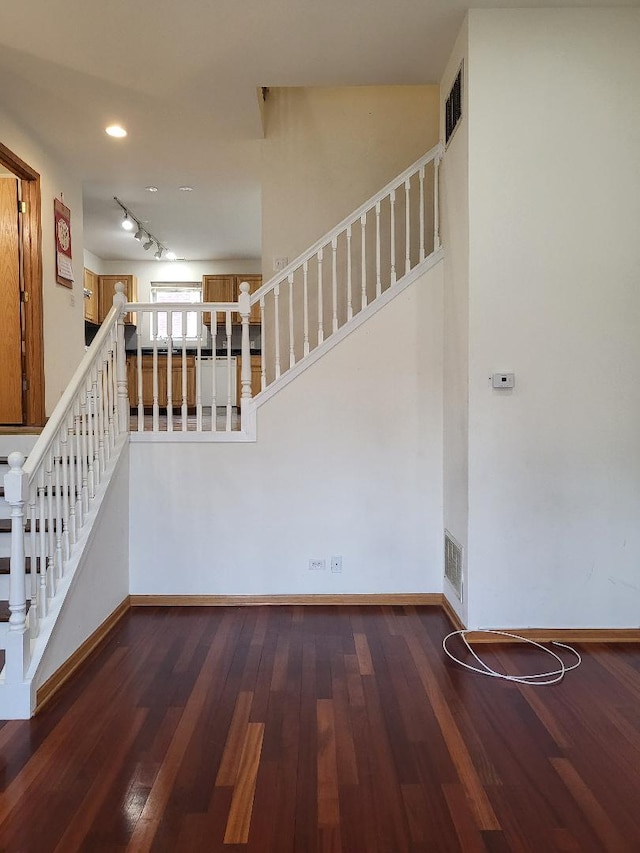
x=322 y=729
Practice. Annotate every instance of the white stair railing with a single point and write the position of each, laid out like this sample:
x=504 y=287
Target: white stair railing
x=189 y=379
x=349 y=268
x=52 y=492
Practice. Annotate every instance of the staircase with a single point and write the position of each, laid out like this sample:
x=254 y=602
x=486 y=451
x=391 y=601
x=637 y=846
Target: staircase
x=54 y=496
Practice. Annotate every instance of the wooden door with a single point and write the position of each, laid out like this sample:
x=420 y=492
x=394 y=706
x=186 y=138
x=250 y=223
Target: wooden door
x=91 y=293
x=10 y=307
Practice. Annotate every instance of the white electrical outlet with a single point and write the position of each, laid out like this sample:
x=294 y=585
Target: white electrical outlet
x=336 y=565
x=279 y=264
x=317 y=565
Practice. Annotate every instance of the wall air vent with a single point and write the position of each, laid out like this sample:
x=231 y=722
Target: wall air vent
x=453 y=107
x=453 y=563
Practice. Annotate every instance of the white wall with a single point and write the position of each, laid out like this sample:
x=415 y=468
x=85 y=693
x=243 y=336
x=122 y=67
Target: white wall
x=554 y=466
x=93 y=262
x=101 y=582
x=63 y=308
x=348 y=461
x=454 y=213
x=327 y=150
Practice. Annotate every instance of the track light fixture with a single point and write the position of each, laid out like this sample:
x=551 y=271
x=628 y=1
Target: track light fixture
x=143 y=235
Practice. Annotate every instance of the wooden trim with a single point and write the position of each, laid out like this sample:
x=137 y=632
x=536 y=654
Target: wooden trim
x=19 y=168
x=32 y=267
x=452 y=616
x=417 y=598
x=47 y=690
x=34 y=409
x=562 y=635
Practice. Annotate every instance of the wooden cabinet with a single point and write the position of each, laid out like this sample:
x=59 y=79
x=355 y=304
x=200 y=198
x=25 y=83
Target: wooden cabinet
x=147 y=380
x=91 y=296
x=226 y=288
x=107 y=289
x=217 y=288
x=256 y=376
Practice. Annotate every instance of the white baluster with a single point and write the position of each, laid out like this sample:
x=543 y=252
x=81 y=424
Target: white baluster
x=276 y=298
x=34 y=610
x=349 y=282
x=139 y=376
x=64 y=460
x=113 y=390
x=183 y=411
x=263 y=360
x=378 y=278
x=214 y=350
x=392 y=201
x=57 y=462
x=199 y=373
x=17 y=641
x=230 y=376
x=334 y=285
x=320 y=299
x=154 y=368
x=107 y=405
x=436 y=204
x=120 y=301
x=43 y=598
x=83 y=452
x=100 y=397
x=72 y=479
x=89 y=433
x=48 y=523
x=170 y=371
x=421 y=178
x=407 y=227
x=305 y=307
x=77 y=432
x=363 y=261
x=244 y=308
x=292 y=349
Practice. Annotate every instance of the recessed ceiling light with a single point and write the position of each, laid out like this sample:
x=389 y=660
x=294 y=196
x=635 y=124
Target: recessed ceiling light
x=185 y=189
x=116 y=130
x=151 y=189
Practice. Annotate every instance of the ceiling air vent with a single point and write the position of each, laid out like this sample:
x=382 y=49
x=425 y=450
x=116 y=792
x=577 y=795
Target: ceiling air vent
x=453 y=107
x=453 y=563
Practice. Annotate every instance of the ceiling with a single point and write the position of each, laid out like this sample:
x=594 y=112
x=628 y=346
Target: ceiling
x=183 y=79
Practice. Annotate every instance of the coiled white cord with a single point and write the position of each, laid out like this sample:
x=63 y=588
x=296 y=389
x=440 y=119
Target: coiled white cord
x=535 y=680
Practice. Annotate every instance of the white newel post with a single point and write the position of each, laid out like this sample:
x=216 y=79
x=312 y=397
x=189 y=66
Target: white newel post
x=244 y=308
x=120 y=300
x=16 y=488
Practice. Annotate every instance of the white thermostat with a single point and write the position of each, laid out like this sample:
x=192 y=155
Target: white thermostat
x=502 y=380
